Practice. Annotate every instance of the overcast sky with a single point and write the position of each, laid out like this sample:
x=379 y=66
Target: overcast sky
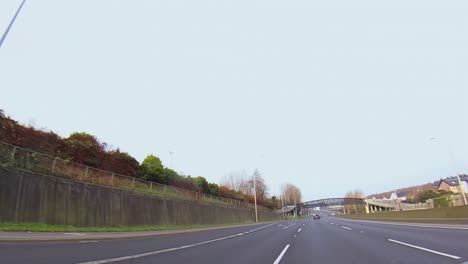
x=328 y=95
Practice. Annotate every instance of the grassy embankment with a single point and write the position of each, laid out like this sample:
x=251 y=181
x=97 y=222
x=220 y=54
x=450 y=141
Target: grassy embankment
x=447 y=215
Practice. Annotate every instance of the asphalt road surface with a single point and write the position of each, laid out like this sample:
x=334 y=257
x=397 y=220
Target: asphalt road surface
x=304 y=241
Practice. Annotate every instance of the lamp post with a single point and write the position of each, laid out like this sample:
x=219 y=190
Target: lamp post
x=295 y=204
x=462 y=188
x=282 y=206
x=255 y=195
x=11 y=23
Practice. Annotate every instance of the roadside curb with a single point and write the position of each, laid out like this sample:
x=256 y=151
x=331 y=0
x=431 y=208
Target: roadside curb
x=83 y=236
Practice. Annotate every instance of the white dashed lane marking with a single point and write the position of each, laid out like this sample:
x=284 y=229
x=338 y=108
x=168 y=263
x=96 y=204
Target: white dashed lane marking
x=278 y=259
x=288 y=226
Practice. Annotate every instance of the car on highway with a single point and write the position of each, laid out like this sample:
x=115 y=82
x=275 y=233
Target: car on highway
x=316 y=216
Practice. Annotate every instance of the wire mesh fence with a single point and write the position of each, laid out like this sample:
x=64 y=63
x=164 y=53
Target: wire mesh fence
x=46 y=164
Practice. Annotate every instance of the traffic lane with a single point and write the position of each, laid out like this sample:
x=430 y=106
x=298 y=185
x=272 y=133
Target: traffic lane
x=325 y=243
x=413 y=238
x=449 y=241
x=82 y=251
x=261 y=246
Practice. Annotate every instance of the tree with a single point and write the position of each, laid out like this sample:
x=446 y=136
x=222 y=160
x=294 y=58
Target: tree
x=29 y=137
x=170 y=175
x=213 y=188
x=184 y=182
x=237 y=181
x=355 y=194
x=354 y=207
x=120 y=162
x=291 y=194
x=83 y=148
x=153 y=170
x=201 y=184
x=275 y=202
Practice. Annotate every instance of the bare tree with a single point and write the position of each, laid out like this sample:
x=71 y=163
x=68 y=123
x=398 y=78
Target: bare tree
x=291 y=194
x=237 y=181
x=261 y=187
x=355 y=194
x=355 y=208
x=240 y=182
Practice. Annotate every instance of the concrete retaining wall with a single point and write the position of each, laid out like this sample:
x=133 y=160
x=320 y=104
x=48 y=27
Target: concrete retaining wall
x=27 y=197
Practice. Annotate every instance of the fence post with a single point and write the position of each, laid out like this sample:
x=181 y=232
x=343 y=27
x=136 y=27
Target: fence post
x=196 y=196
x=53 y=165
x=86 y=172
x=151 y=186
x=19 y=193
x=112 y=179
x=27 y=160
x=13 y=154
x=133 y=184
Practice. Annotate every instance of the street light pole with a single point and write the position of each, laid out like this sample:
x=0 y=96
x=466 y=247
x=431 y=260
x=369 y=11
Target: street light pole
x=295 y=204
x=11 y=23
x=255 y=196
x=462 y=188
x=282 y=206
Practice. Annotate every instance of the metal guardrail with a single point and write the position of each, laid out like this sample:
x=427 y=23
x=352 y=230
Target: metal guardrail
x=43 y=163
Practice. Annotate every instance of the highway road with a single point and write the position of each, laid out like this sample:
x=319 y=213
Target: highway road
x=303 y=241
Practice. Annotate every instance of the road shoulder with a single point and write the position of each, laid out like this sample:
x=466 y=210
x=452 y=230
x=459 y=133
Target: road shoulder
x=6 y=236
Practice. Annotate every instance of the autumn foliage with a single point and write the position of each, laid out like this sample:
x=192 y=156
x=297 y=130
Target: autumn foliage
x=83 y=148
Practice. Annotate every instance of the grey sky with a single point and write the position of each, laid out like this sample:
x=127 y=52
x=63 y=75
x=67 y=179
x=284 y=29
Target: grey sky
x=329 y=95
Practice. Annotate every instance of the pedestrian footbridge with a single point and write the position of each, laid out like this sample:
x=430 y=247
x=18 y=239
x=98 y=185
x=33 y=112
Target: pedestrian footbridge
x=349 y=205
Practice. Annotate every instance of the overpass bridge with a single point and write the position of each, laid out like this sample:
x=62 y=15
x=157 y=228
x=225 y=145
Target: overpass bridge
x=348 y=205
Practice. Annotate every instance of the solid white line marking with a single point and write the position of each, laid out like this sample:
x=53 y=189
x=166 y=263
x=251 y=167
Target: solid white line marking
x=74 y=234
x=299 y=230
x=158 y=251
x=253 y=230
x=278 y=259
x=288 y=226
x=347 y=228
x=424 y=249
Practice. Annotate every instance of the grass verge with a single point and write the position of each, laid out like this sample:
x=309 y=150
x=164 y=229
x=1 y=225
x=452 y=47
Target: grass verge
x=64 y=228
x=448 y=215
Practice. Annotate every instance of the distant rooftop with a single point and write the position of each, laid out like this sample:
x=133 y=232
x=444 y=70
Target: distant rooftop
x=453 y=181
